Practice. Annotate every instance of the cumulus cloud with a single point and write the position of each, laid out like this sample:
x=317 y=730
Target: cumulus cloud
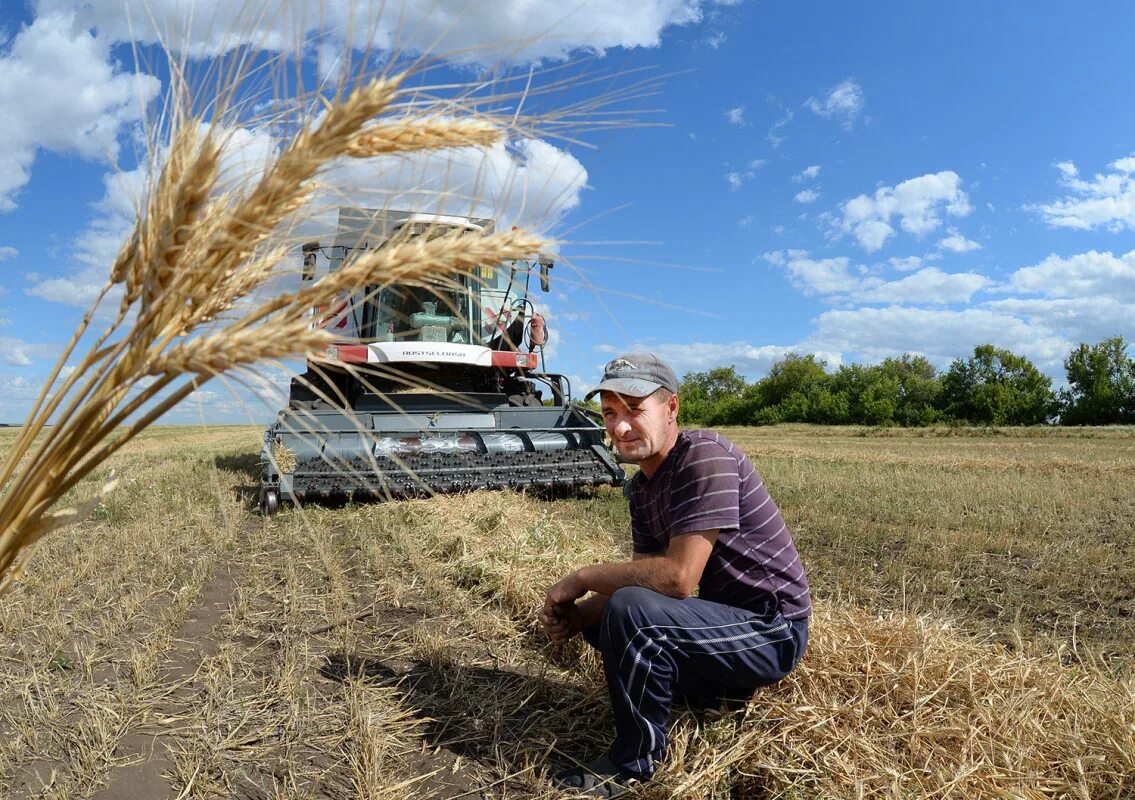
x=956 y=243
x=872 y=334
x=18 y=353
x=843 y=102
x=1091 y=275
x=1067 y=169
x=835 y=280
x=60 y=92
x=8 y=252
x=929 y=285
x=244 y=155
x=1106 y=201
x=822 y=276
x=907 y=263
x=751 y=360
x=1076 y=319
x=17 y=393
x=527 y=181
x=807 y=196
x=736 y=116
x=510 y=30
x=807 y=174
x=918 y=204
x=737 y=178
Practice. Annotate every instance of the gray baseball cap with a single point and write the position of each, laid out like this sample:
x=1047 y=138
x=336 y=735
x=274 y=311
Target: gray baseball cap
x=636 y=375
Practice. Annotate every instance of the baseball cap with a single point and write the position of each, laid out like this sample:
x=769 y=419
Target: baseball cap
x=636 y=375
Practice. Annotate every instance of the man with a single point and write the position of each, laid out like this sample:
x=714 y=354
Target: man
x=701 y=518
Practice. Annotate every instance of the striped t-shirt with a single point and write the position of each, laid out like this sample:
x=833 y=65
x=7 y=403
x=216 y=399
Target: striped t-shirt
x=706 y=482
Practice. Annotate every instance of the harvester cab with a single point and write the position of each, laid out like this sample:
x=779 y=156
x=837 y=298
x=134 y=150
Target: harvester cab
x=432 y=385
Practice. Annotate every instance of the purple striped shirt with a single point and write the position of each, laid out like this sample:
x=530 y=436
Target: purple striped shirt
x=704 y=483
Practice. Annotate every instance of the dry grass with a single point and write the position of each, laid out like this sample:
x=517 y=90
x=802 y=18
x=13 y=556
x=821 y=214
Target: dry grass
x=392 y=650
x=1025 y=535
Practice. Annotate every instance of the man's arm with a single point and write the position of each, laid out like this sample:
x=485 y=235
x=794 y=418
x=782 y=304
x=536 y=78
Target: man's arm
x=564 y=621
x=675 y=573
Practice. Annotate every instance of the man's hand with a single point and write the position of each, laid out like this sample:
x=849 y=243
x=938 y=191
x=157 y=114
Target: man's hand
x=566 y=590
x=560 y=616
x=562 y=623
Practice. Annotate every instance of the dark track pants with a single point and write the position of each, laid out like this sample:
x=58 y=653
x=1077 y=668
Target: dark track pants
x=656 y=647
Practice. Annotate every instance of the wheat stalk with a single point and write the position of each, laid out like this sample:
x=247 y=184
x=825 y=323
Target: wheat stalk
x=196 y=255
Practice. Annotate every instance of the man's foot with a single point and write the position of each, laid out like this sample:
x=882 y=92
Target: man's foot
x=600 y=778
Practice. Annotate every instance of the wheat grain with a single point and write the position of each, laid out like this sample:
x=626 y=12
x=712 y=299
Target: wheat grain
x=195 y=256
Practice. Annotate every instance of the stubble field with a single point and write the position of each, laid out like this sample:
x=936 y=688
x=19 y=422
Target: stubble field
x=973 y=636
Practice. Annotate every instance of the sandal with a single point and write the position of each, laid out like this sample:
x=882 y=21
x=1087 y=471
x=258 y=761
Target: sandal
x=600 y=778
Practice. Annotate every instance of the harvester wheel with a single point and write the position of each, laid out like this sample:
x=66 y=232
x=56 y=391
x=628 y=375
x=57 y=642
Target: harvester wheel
x=271 y=503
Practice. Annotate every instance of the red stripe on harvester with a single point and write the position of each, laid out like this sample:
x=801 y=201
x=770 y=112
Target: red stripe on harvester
x=510 y=359
x=351 y=353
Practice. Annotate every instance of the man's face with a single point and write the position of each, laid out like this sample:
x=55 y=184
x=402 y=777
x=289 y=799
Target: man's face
x=639 y=426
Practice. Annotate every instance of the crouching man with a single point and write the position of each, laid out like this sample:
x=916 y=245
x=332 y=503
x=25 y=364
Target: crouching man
x=701 y=518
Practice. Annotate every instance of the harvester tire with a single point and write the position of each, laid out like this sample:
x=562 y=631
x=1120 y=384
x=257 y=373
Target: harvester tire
x=270 y=504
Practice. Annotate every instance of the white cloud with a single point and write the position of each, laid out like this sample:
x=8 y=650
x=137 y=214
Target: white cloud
x=1077 y=319
x=918 y=203
x=927 y=286
x=752 y=361
x=956 y=243
x=843 y=102
x=1068 y=170
x=807 y=196
x=736 y=116
x=509 y=30
x=872 y=334
x=834 y=279
x=17 y=393
x=526 y=182
x=1092 y=275
x=243 y=157
x=18 y=353
x=737 y=178
x=907 y=263
x=774 y=136
x=1106 y=201
x=59 y=92
x=8 y=252
x=823 y=276
x=529 y=182
x=807 y=174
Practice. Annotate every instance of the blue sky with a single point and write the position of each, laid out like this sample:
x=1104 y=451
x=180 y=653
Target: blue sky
x=853 y=179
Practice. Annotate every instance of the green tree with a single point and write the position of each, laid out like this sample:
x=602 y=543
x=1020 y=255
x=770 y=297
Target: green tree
x=1101 y=384
x=850 y=384
x=706 y=395
x=899 y=391
x=917 y=389
x=997 y=387
x=793 y=387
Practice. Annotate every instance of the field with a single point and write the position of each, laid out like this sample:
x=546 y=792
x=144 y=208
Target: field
x=974 y=635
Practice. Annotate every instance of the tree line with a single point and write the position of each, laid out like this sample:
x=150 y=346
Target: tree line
x=992 y=387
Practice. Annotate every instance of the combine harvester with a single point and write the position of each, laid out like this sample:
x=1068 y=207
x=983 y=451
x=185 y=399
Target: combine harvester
x=430 y=387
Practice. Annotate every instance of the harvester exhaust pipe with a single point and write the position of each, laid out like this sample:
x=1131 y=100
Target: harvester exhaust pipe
x=309 y=251
x=546 y=263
